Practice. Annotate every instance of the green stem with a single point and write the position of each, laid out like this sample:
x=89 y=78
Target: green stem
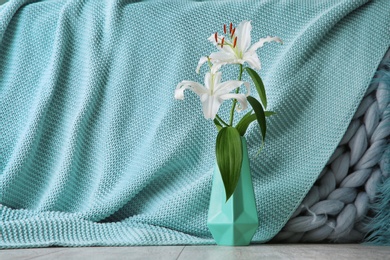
x=240 y=75
x=221 y=120
x=235 y=100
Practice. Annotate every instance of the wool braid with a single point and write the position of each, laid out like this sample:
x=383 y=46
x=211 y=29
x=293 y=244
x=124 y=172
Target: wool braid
x=339 y=204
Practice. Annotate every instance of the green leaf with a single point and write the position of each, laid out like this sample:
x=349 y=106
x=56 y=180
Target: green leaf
x=229 y=158
x=259 y=85
x=260 y=115
x=269 y=113
x=245 y=121
x=218 y=124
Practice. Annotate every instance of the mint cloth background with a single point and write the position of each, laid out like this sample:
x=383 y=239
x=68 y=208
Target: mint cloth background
x=94 y=150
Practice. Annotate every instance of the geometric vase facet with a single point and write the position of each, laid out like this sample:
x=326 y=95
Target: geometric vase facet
x=233 y=222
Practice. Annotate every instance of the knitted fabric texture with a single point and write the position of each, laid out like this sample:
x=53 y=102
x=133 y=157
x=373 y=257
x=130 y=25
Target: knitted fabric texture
x=94 y=150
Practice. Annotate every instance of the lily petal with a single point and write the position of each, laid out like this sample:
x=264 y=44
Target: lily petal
x=241 y=98
x=200 y=63
x=248 y=88
x=224 y=55
x=191 y=85
x=227 y=86
x=243 y=33
x=208 y=82
x=216 y=66
x=216 y=79
x=253 y=60
x=261 y=42
x=210 y=105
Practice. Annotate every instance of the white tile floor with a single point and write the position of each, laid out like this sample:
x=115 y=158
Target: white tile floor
x=333 y=252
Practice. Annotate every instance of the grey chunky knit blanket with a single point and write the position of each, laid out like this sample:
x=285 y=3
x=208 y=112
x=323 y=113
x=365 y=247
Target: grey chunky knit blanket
x=341 y=205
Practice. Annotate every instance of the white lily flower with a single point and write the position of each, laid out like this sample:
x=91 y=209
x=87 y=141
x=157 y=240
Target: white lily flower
x=214 y=93
x=236 y=48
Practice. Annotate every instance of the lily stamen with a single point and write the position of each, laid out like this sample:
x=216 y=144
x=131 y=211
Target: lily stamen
x=235 y=42
x=224 y=28
x=223 y=40
x=216 y=37
x=234 y=30
x=231 y=27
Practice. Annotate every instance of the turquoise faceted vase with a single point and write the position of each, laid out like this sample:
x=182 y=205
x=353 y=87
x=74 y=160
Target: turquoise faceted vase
x=233 y=222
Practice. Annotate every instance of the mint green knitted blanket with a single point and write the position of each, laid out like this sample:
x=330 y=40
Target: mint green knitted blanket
x=95 y=150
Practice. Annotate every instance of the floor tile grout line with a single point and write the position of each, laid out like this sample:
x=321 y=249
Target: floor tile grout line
x=180 y=252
